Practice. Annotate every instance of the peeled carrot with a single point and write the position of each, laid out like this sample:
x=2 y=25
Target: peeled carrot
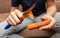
x=36 y=25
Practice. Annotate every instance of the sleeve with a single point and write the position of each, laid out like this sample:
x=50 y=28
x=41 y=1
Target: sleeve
x=15 y=3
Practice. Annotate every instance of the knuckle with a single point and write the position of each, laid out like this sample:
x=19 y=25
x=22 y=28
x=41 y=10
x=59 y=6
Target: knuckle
x=10 y=13
x=18 y=21
x=7 y=19
x=14 y=24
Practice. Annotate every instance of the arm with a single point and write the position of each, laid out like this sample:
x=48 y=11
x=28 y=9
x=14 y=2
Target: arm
x=51 y=8
x=15 y=16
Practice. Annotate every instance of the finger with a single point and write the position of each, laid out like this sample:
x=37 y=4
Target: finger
x=9 y=21
x=44 y=28
x=50 y=26
x=12 y=20
x=19 y=13
x=43 y=18
x=15 y=18
x=20 y=16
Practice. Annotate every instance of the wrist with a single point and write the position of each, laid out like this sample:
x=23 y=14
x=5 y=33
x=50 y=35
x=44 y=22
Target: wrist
x=49 y=14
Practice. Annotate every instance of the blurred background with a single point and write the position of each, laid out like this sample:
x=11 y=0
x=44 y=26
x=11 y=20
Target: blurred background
x=4 y=9
x=5 y=5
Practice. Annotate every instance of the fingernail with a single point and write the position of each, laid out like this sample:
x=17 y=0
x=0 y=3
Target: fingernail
x=40 y=28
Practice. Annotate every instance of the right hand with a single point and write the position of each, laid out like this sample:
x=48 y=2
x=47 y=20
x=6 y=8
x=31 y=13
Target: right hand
x=15 y=17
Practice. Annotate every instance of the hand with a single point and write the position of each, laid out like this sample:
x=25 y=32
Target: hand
x=15 y=17
x=49 y=26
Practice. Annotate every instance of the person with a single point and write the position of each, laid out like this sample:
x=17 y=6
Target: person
x=40 y=8
x=43 y=9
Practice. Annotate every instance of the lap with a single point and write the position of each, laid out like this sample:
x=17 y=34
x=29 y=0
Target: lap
x=14 y=29
x=27 y=21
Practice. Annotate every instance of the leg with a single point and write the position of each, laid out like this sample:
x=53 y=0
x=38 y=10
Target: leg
x=15 y=28
x=57 y=27
x=38 y=18
x=57 y=17
x=12 y=36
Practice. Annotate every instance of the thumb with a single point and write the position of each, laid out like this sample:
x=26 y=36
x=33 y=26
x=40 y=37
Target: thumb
x=43 y=18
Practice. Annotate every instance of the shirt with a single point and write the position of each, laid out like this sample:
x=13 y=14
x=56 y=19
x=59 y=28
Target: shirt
x=39 y=9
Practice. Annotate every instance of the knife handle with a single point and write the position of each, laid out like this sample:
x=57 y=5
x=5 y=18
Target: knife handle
x=7 y=26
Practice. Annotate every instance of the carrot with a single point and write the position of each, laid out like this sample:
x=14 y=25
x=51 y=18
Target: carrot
x=36 y=25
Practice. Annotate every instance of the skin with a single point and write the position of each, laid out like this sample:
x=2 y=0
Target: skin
x=51 y=10
x=15 y=15
x=37 y=25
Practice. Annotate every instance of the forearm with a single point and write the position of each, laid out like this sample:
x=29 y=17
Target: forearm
x=51 y=10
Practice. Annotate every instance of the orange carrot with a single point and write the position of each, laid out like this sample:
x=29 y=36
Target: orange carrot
x=38 y=24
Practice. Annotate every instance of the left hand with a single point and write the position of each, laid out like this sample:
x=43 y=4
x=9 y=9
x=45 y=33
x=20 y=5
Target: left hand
x=49 y=26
